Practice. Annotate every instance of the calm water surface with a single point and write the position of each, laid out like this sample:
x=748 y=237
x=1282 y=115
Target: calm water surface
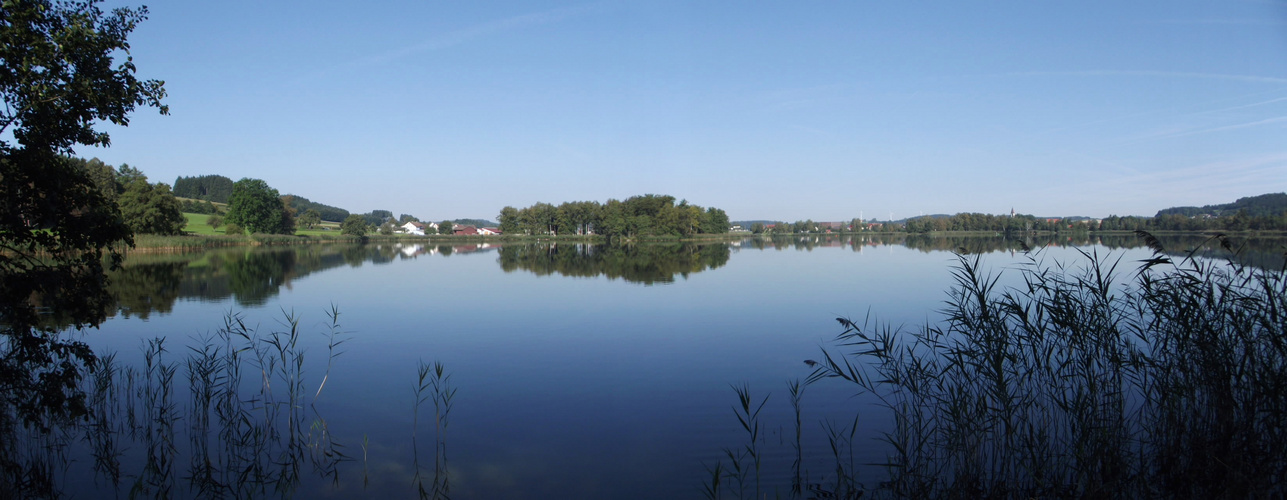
x=582 y=371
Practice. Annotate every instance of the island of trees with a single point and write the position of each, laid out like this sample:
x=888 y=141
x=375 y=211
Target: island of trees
x=647 y=215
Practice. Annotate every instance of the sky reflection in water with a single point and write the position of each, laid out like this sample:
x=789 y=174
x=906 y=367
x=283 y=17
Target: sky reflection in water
x=569 y=386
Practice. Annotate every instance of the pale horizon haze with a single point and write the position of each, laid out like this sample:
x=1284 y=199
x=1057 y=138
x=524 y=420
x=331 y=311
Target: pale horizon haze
x=768 y=110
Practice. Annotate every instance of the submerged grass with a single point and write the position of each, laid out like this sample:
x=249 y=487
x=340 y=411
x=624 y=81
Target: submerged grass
x=1070 y=385
x=250 y=430
x=434 y=386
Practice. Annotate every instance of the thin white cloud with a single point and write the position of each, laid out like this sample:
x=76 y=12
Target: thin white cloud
x=477 y=31
x=1166 y=110
x=1160 y=74
x=1246 y=174
x=1243 y=106
x=1140 y=193
x=459 y=37
x=1218 y=22
x=1222 y=128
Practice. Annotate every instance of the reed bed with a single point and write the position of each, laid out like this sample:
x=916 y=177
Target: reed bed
x=250 y=426
x=1072 y=385
x=251 y=430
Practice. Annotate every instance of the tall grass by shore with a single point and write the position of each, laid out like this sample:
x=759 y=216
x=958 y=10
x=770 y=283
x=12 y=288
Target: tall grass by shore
x=246 y=430
x=250 y=426
x=1071 y=385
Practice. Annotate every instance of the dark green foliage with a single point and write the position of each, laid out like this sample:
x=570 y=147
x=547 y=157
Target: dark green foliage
x=1265 y=205
x=714 y=221
x=445 y=227
x=353 y=225
x=58 y=78
x=151 y=209
x=197 y=207
x=286 y=220
x=126 y=175
x=214 y=221
x=474 y=222
x=103 y=175
x=1070 y=386
x=377 y=217
x=301 y=205
x=310 y=218
x=648 y=215
x=216 y=188
x=509 y=221
x=257 y=208
x=1007 y=224
x=648 y=263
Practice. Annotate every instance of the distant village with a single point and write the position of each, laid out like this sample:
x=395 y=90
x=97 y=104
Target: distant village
x=421 y=228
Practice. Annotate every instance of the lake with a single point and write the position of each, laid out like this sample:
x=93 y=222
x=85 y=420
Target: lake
x=580 y=371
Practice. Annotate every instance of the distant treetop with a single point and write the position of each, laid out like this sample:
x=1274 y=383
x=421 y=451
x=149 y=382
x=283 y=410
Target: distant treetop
x=1265 y=205
x=215 y=188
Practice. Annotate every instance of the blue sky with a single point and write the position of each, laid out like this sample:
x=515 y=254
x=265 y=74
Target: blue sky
x=769 y=110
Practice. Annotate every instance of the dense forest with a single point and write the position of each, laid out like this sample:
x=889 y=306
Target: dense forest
x=647 y=215
x=215 y=188
x=301 y=204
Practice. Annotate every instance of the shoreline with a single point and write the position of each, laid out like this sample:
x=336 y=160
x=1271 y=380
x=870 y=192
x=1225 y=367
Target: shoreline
x=191 y=242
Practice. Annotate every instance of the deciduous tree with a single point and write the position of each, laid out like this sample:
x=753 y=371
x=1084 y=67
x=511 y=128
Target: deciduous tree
x=353 y=225
x=151 y=209
x=59 y=77
x=310 y=218
x=255 y=206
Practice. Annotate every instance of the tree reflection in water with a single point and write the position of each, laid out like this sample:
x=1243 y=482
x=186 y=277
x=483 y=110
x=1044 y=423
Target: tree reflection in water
x=643 y=263
x=237 y=437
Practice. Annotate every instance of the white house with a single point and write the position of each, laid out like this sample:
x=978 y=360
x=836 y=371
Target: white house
x=414 y=227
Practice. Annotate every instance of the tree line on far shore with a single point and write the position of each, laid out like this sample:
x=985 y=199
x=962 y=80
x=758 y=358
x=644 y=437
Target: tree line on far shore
x=647 y=215
x=218 y=189
x=1242 y=219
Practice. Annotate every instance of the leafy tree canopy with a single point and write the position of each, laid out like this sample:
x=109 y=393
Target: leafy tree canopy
x=647 y=215
x=353 y=225
x=310 y=218
x=151 y=209
x=377 y=217
x=216 y=188
x=255 y=206
x=59 y=76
